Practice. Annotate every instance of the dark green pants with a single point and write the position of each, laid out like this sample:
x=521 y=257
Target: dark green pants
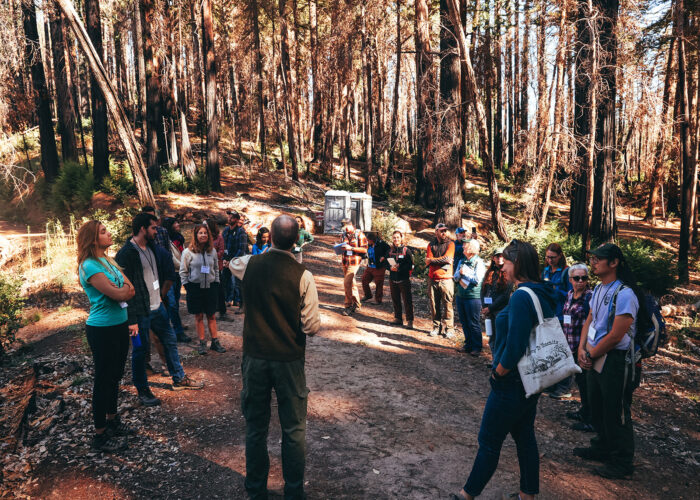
x=289 y=382
x=610 y=398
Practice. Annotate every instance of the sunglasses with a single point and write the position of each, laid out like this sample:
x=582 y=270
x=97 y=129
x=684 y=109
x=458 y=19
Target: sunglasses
x=579 y=278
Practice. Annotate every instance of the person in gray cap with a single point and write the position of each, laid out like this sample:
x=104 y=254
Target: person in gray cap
x=441 y=289
x=355 y=250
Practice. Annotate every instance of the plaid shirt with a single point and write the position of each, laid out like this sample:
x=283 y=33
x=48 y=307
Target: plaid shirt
x=235 y=242
x=578 y=310
x=162 y=239
x=356 y=239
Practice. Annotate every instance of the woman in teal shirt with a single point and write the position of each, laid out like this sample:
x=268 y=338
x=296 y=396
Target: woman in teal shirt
x=304 y=238
x=107 y=331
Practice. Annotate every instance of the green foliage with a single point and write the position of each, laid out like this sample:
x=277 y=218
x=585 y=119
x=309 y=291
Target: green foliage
x=120 y=182
x=11 y=303
x=118 y=223
x=171 y=179
x=352 y=185
x=200 y=184
x=654 y=267
x=420 y=270
x=552 y=233
x=73 y=189
x=385 y=223
x=406 y=206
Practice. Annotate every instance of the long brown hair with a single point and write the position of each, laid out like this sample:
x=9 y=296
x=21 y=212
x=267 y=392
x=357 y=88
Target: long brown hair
x=213 y=228
x=86 y=243
x=194 y=245
x=526 y=262
x=556 y=248
x=496 y=276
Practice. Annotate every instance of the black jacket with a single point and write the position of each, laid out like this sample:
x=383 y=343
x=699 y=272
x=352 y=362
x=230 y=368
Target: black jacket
x=499 y=297
x=404 y=258
x=381 y=251
x=129 y=260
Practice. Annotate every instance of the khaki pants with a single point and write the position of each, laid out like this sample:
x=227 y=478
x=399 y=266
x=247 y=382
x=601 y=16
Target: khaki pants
x=440 y=292
x=352 y=294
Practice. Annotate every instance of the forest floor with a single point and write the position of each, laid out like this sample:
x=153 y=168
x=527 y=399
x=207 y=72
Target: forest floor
x=393 y=413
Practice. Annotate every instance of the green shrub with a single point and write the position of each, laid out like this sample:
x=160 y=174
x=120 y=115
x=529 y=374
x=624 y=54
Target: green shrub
x=352 y=185
x=200 y=184
x=118 y=223
x=120 y=182
x=384 y=223
x=171 y=179
x=540 y=239
x=73 y=189
x=654 y=267
x=420 y=270
x=11 y=303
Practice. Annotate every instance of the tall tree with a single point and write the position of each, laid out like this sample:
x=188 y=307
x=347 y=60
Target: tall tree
x=64 y=108
x=253 y=12
x=475 y=99
x=155 y=136
x=42 y=99
x=395 y=104
x=213 y=171
x=289 y=84
x=367 y=103
x=100 y=131
x=425 y=98
x=140 y=65
x=317 y=104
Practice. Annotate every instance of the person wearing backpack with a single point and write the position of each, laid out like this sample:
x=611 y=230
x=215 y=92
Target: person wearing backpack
x=400 y=279
x=355 y=250
x=508 y=410
x=607 y=351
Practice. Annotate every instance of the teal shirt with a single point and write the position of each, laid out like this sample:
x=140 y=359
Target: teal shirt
x=103 y=310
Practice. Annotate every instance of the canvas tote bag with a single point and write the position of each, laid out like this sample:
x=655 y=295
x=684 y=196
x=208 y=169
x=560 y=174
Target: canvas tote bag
x=548 y=358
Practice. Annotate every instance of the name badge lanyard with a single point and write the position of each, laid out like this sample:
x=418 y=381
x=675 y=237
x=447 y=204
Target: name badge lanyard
x=154 y=270
x=602 y=300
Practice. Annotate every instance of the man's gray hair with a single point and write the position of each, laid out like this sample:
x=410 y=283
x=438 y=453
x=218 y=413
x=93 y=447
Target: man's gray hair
x=472 y=246
x=579 y=266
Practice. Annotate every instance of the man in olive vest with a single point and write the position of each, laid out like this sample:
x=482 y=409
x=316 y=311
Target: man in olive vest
x=281 y=309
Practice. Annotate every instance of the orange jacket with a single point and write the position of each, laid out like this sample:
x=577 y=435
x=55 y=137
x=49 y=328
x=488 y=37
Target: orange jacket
x=436 y=271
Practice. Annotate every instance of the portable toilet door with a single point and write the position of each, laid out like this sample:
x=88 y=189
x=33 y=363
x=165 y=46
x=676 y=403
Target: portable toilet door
x=337 y=207
x=361 y=210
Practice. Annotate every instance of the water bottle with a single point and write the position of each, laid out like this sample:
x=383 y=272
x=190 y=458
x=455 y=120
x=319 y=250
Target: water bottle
x=136 y=341
x=489 y=327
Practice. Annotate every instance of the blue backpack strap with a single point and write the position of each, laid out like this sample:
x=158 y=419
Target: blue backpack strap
x=612 y=306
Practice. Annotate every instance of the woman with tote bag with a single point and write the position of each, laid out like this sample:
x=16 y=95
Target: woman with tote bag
x=508 y=410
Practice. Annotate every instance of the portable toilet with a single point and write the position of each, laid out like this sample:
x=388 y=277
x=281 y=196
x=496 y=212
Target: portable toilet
x=342 y=204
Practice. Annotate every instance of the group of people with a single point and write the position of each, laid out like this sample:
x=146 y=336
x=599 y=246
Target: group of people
x=131 y=296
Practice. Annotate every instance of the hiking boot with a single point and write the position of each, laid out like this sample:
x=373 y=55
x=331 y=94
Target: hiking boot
x=591 y=454
x=147 y=398
x=464 y=349
x=475 y=354
x=434 y=332
x=346 y=312
x=366 y=299
x=216 y=346
x=107 y=443
x=560 y=395
x=409 y=325
x=181 y=337
x=187 y=383
x=574 y=415
x=615 y=471
x=116 y=427
x=397 y=321
x=202 y=347
x=583 y=426
x=239 y=310
x=450 y=333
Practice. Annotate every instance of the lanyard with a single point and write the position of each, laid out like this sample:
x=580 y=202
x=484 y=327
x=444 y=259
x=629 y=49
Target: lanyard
x=150 y=262
x=601 y=300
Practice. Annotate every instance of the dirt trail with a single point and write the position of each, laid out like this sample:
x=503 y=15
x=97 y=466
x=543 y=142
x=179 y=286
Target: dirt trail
x=392 y=413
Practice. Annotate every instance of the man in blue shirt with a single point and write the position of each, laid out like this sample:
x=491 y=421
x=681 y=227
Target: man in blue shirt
x=377 y=252
x=235 y=245
x=606 y=350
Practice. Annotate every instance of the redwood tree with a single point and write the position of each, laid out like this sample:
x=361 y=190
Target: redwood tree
x=100 y=132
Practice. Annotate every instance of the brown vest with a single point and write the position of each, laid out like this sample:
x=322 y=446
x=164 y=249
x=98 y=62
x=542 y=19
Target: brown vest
x=272 y=326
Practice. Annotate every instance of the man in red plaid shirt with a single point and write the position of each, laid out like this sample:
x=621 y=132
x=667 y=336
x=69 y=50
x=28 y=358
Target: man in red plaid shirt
x=355 y=250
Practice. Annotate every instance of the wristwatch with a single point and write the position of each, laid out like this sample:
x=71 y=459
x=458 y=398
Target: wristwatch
x=588 y=355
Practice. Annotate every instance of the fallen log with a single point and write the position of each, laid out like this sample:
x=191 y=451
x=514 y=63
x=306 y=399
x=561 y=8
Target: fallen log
x=691 y=345
x=24 y=397
x=679 y=357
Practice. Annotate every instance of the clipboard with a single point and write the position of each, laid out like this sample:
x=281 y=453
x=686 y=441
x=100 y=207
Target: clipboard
x=391 y=261
x=339 y=248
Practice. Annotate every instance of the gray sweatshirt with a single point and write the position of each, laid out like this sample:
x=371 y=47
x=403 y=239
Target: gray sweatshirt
x=191 y=265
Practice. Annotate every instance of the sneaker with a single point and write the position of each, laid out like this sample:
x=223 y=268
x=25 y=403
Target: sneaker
x=583 y=427
x=614 y=471
x=434 y=332
x=409 y=325
x=147 y=398
x=202 y=347
x=559 y=395
x=181 y=337
x=450 y=333
x=107 y=443
x=187 y=383
x=116 y=427
x=591 y=454
x=397 y=321
x=346 y=312
x=216 y=346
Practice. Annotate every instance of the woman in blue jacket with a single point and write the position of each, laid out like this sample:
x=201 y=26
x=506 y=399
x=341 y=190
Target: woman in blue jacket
x=556 y=273
x=507 y=409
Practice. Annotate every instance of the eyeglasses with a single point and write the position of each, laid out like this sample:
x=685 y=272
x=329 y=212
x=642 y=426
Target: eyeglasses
x=551 y=257
x=579 y=278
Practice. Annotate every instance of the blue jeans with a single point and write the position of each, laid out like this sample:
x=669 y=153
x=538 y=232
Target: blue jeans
x=173 y=306
x=227 y=284
x=159 y=322
x=507 y=411
x=469 y=311
x=237 y=293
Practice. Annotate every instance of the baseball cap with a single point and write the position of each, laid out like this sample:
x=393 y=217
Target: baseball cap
x=233 y=213
x=499 y=251
x=460 y=230
x=346 y=220
x=607 y=251
x=440 y=225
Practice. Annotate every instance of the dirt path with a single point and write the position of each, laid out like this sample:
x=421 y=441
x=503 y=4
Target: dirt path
x=392 y=414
